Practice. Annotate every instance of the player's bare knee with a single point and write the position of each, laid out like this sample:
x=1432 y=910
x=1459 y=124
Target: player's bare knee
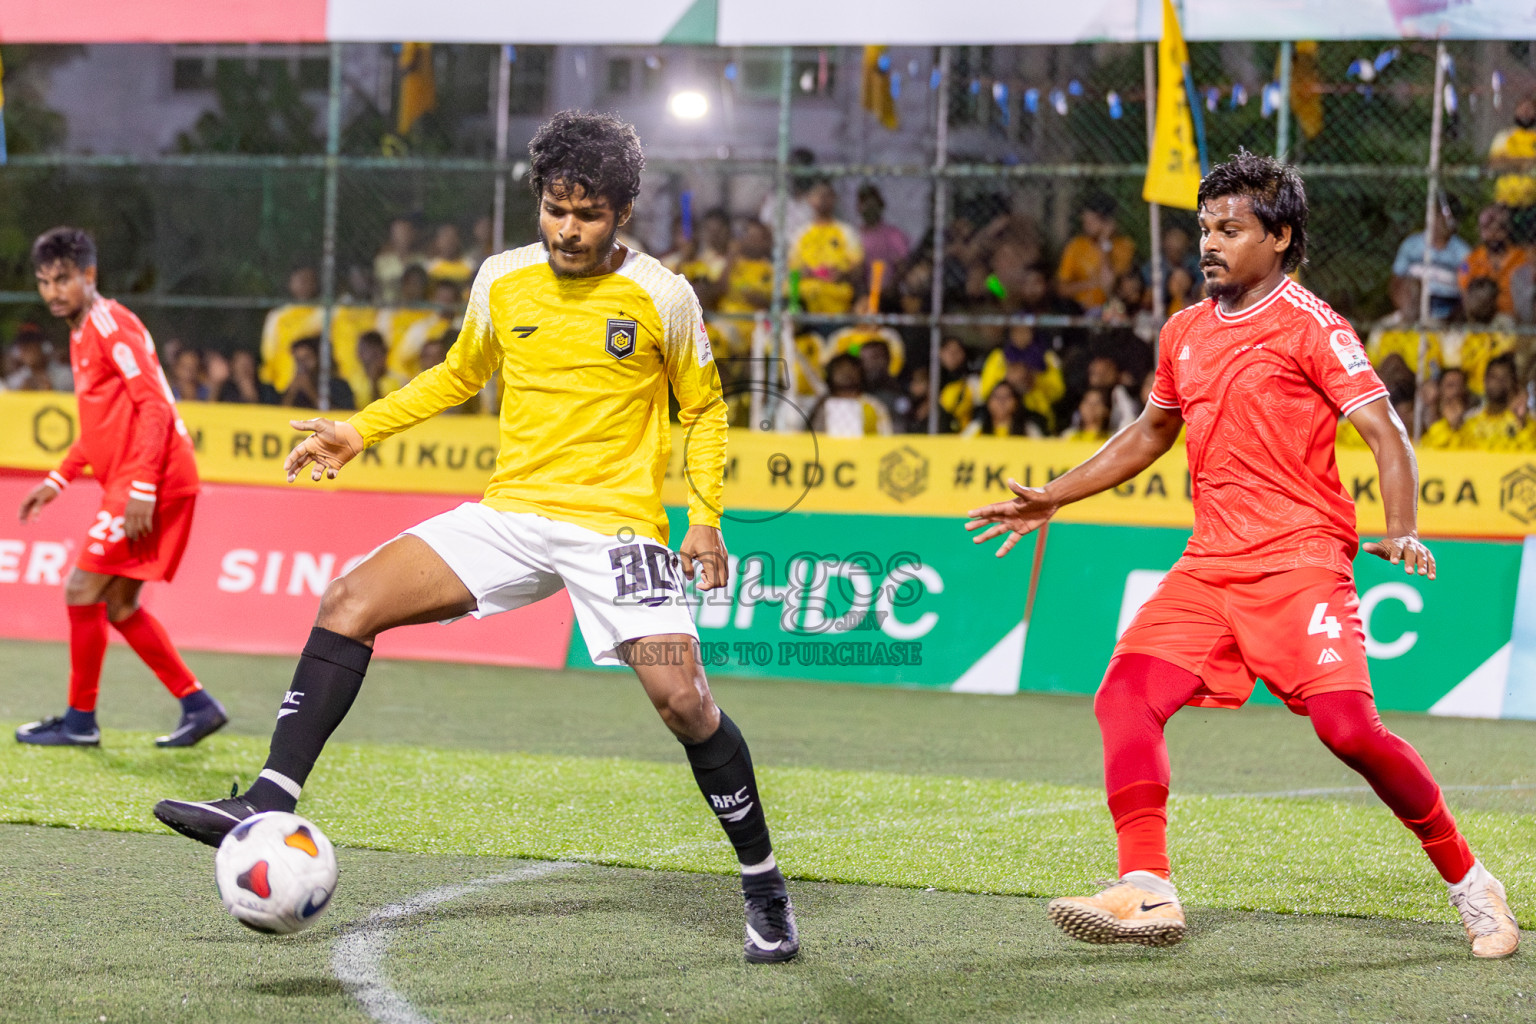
x=346 y=609
x=82 y=588
x=689 y=713
x=120 y=608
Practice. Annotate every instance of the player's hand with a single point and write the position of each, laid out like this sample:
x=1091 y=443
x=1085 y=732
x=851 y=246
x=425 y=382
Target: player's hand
x=703 y=553
x=37 y=497
x=1408 y=551
x=1019 y=517
x=332 y=445
x=138 y=518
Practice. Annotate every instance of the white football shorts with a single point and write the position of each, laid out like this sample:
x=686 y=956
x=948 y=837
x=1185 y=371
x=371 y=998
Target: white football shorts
x=621 y=590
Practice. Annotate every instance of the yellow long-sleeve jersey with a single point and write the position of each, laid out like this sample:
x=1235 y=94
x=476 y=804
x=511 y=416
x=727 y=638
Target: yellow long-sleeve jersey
x=584 y=366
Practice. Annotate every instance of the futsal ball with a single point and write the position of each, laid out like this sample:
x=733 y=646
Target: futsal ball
x=276 y=872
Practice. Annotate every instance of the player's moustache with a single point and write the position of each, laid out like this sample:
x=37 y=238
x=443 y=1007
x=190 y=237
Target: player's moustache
x=1212 y=261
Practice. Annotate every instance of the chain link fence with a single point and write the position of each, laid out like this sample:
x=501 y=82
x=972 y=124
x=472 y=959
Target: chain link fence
x=984 y=167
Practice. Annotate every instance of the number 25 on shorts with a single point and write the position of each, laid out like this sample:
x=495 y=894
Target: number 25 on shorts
x=108 y=528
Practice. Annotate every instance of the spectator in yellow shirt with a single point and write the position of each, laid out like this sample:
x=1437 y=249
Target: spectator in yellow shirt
x=828 y=256
x=1004 y=415
x=1496 y=427
x=1396 y=334
x=1513 y=155
x=1048 y=382
x=1449 y=414
x=373 y=379
x=749 y=274
x=702 y=258
x=1486 y=335
x=285 y=325
x=1092 y=260
x=449 y=261
x=397 y=253
x=1092 y=419
x=396 y=323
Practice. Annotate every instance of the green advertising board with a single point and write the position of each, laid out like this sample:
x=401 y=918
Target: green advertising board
x=1425 y=638
x=900 y=600
x=910 y=601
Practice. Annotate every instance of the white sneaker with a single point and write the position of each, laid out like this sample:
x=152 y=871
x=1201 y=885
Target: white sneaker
x=1485 y=913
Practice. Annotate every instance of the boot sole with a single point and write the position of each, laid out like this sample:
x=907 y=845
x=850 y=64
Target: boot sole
x=205 y=836
x=776 y=957
x=1085 y=924
x=193 y=739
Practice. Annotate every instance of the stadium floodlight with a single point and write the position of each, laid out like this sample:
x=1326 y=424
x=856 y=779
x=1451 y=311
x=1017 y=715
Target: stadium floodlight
x=688 y=104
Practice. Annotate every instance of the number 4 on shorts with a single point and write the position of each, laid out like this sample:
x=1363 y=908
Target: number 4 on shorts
x=1320 y=624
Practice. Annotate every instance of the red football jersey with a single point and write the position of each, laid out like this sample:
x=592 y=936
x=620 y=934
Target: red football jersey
x=130 y=435
x=1261 y=392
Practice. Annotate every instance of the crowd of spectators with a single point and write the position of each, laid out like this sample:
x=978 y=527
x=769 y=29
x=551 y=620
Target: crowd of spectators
x=1456 y=352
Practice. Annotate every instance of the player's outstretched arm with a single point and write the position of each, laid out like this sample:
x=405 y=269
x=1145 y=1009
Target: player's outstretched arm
x=1123 y=456
x=332 y=445
x=1377 y=422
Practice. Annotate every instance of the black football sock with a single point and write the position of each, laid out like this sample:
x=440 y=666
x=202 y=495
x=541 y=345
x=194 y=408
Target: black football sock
x=196 y=701
x=324 y=686
x=722 y=767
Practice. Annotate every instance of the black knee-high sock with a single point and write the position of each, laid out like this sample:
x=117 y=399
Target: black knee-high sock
x=722 y=766
x=326 y=682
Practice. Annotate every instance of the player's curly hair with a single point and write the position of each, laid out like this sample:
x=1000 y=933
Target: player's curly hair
x=63 y=243
x=599 y=152
x=1275 y=191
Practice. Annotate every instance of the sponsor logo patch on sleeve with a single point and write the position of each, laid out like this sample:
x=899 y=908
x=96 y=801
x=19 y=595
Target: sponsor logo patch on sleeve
x=124 y=357
x=701 y=345
x=1350 y=353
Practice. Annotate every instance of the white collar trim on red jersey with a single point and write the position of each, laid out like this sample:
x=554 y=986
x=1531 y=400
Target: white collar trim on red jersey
x=1268 y=300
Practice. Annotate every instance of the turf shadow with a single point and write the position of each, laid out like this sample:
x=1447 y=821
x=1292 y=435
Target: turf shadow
x=298 y=988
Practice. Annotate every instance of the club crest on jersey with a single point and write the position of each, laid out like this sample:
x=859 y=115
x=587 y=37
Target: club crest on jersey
x=619 y=338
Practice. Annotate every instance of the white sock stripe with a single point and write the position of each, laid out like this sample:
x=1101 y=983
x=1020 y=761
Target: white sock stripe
x=141 y=496
x=282 y=782
x=141 y=485
x=760 y=868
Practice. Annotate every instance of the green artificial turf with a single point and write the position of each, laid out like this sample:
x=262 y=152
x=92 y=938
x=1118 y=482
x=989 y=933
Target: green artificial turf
x=954 y=833
x=125 y=927
x=924 y=829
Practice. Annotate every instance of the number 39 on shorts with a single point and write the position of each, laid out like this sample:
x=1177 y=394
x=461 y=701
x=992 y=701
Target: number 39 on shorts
x=108 y=528
x=1322 y=622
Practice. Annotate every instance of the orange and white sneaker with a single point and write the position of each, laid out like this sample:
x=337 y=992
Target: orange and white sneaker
x=1141 y=907
x=1485 y=913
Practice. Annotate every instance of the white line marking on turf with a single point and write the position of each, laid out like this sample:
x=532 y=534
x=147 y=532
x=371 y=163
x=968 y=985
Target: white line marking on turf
x=357 y=959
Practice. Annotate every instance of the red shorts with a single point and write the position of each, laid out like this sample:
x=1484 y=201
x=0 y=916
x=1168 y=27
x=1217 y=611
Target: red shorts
x=108 y=551
x=1299 y=631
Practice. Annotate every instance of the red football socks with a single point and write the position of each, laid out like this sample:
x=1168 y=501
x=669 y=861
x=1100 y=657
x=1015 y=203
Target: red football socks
x=1138 y=696
x=1348 y=725
x=87 y=648
x=152 y=644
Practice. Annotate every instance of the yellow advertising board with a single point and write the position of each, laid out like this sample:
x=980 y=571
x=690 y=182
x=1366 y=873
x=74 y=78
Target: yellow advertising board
x=1467 y=494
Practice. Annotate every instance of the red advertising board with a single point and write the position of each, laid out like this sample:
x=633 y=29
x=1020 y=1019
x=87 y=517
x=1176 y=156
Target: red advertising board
x=252 y=576
x=156 y=21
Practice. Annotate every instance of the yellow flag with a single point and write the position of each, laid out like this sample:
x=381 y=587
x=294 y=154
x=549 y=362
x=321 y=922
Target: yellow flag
x=1173 y=170
x=418 y=85
x=875 y=87
x=1306 y=95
